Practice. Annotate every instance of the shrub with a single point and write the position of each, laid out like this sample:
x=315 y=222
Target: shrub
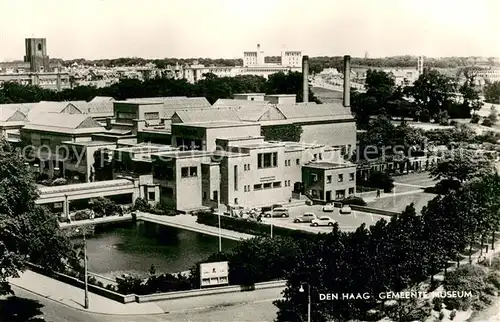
x=441 y=315
x=487 y=122
x=354 y=200
x=59 y=182
x=437 y=302
x=475 y=119
x=453 y=314
x=82 y=215
x=141 y=204
x=105 y=207
x=468 y=278
x=379 y=180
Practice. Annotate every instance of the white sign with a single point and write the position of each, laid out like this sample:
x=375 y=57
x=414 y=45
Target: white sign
x=216 y=273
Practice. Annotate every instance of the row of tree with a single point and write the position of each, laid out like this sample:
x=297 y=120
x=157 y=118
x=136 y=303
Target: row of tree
x=433 y=96
x=391 y=256
x=317 y=63
x=212 y=87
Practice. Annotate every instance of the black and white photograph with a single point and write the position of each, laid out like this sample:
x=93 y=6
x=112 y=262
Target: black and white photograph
x=249 y=160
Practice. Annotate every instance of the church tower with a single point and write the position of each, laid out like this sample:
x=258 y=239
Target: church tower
x=36 y=55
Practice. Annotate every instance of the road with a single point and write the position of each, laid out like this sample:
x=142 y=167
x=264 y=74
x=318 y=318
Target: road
x=346 y=222
x=55 y=312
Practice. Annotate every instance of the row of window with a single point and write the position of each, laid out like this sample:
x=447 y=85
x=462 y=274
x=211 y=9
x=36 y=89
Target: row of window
x=267 y=185
x=340 y=177
x=267 y=160
x=246 y=167
x=339 y=194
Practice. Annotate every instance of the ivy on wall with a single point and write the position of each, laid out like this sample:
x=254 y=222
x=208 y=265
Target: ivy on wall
x=288 y=132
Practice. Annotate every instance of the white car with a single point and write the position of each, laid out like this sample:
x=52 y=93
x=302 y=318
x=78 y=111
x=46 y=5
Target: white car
x=328 y=208
x=345 y=210
x=323 y=221
x=307 y=217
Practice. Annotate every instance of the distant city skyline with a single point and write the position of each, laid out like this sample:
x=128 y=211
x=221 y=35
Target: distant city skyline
x=106 y=29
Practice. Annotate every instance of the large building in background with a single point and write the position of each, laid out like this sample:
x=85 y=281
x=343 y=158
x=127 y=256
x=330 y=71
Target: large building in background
x=253 y=64
x=35 y=69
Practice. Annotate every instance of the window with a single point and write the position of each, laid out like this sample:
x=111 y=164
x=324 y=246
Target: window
x=152 y=116
x=216 y=195
x=151 y=195
x=185 y=172
x=193 y=171
x=257 y=187
x=235 y=178
x=351 y=191
x=204 y=195
x=277 y=184
x=320 y=156
x=297 y=161
x=341 y=178
x=340 y=194
x=127 y=116
x=267 y=185
x=288 y=182
x=248 y=167
x=314 y=177
x=315 y=156
x=351 y=176
x=342 y=150
x=267 y=160
x=328 y=179
x=245 y=188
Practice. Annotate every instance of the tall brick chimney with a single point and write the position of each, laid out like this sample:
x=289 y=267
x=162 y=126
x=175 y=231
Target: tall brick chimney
x=347 y=81
x=305 y=79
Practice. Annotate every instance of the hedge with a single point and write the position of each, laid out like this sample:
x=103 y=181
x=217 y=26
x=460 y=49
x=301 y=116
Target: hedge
x=249 y=227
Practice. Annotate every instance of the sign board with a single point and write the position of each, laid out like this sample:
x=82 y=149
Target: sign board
x=267 y=179
x=216 y=273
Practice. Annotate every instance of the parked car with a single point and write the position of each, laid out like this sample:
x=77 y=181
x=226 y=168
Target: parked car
x=277 y=212
x=307 y=217
x=328 y=208
x=345 y=209
x=323 y=221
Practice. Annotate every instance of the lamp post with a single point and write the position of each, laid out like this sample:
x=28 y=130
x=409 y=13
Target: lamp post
x=301 y=290
x=85 y=268
x=220 y=235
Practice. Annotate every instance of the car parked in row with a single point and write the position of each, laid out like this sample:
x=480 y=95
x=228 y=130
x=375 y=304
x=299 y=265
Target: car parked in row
x=345 y=210
x=305 y=218
x=277 y=212
x=323 y=221
x=328 y=208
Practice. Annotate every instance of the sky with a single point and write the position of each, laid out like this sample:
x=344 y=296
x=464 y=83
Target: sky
x=94 y=29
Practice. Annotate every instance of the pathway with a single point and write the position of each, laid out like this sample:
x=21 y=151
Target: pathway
x=73 y=297
x=103 y=220
x=188 y=222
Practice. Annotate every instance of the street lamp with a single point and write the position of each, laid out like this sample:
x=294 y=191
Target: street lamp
x=220 y=234
x=301 y=290
x=85 y=268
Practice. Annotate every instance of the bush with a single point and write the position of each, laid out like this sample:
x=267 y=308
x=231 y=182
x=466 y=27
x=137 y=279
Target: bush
x=378 y=180
x=475 y=119
x=105 y=207
x=453 y=314
x=59 y=182
x=141 y=204
x=82 y=215
x=441 y=315
x=437 y=302
x=354 y=200
x=444 y=186
x=468 y=278
x=487 y=122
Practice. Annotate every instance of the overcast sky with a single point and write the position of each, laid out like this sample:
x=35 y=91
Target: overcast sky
x=225 y=28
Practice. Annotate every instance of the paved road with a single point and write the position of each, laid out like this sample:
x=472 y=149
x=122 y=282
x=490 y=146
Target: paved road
x=346 y=222
x=421 y=179
x=55 y=312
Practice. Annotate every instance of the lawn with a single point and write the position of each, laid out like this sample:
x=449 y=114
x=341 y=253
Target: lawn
x=399 y=203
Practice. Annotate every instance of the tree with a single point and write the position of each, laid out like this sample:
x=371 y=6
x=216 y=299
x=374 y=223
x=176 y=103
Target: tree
x=27 y=231
x=289 y=83
x=493 y=117
x=492 y=92
x=461 y=165
x=470 y=94
x=289 y=132
x=432 y=92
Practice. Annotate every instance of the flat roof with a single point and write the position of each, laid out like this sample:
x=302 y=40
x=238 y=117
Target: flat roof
x=249 y=94
x=216 y=124
x=89 y=143
x=281 y=95
x=328 y=165
x=259 y=145
x=176 y=154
